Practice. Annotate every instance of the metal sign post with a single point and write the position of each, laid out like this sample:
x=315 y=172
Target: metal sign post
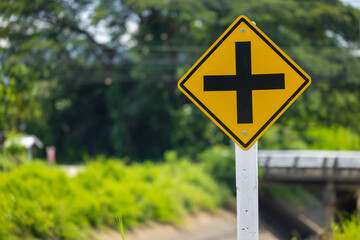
x=247 y=193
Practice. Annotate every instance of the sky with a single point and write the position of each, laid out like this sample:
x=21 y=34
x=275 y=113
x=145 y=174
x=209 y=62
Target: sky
x=354 y=3
x=101 y=36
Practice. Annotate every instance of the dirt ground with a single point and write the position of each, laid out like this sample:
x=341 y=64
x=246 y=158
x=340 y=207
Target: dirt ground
x=202 y=226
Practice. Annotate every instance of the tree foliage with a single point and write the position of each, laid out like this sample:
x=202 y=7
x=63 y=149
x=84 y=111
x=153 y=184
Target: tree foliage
x=100 y=76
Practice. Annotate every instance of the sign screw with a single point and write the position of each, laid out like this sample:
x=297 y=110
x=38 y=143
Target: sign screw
x=244 y=132
x=242 y=30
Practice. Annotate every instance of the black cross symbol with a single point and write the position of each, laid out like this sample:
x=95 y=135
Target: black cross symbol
x=244 y=82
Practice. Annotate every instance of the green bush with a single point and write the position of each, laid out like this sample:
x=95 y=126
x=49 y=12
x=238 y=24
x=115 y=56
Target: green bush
x=9 y=162
x=12 y=144
x=219 y=161
x=40 y=201
x=161 y=192
x=334 y=138
x=13 y=154
x=283 y=137
x=316 y=137
x=347 y=229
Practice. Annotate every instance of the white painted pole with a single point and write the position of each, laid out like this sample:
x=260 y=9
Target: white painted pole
x=247 y=193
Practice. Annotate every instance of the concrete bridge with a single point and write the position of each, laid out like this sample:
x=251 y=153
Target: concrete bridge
x=310 y=167
x=334 y=176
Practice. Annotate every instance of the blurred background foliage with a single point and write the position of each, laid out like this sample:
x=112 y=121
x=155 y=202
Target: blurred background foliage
x=99 y=77
x=94 y=77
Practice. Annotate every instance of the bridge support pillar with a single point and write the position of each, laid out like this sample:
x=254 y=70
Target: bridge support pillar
x=329 y=200
x=358 y=200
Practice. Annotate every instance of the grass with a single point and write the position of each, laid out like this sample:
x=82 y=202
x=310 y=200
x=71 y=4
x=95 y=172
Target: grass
x=121 y=225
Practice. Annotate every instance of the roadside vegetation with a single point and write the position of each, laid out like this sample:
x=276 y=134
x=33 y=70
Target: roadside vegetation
x=12 y=153
x=39 y=201
x=348 y=227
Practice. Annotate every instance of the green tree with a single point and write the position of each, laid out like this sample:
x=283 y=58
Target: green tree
x=100 y=76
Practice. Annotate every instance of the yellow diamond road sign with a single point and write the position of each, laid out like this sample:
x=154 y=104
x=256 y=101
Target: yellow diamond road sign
x=244 y=82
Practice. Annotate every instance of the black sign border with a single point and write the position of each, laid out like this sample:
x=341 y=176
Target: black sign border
x=306 y=81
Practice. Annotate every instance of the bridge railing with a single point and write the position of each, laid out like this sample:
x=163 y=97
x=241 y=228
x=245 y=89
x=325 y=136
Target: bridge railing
x=310 y=165
x=309 y=159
